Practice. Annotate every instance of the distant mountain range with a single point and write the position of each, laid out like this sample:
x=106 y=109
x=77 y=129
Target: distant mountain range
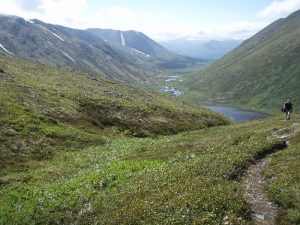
x=212 y=49
x=82 y=50
x=145 y=45
x=261 y=73
x=135 y=40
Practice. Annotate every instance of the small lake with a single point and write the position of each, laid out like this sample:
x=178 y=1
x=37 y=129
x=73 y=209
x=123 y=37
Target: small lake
x=236 y=114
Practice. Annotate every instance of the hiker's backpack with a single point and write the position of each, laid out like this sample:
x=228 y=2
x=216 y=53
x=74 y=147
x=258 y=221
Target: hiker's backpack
x=288 y=106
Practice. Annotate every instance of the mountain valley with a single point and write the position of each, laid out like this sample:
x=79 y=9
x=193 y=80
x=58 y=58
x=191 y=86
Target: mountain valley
x=82 y=50
x=103 y=126
x=209 y=50
x=261 y=73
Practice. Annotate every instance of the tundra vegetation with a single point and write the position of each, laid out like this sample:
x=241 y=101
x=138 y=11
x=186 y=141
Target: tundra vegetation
x=77 y=148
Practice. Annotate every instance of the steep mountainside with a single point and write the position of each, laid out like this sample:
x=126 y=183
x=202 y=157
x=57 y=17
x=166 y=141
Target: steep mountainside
x=72 y=48
x=261 y=73
x=213 y=49
x=135 y=40
x=141 y=43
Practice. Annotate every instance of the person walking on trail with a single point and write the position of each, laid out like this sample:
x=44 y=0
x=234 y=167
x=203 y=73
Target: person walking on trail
x=287 y=108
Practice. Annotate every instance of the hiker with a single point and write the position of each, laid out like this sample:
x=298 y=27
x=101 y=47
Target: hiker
x=287 y=108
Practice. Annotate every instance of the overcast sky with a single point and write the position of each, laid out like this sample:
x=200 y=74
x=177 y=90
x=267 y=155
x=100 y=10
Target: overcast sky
x=160 y=19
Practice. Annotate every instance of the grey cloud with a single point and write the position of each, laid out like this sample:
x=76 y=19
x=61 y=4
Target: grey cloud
x=30 y=5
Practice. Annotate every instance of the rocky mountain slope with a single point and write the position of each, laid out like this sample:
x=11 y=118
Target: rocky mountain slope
x=165 y=59
x=135 y=40
x=82 y=50
x=71 y=48
x=261 y=73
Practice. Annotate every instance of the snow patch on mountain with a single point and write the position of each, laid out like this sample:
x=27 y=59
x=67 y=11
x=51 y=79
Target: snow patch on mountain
x=51 y=32
x=68 y=56
x=28 y=21
x=50 y=43
x=123 y=39
x=142 y=53
x=1 y=46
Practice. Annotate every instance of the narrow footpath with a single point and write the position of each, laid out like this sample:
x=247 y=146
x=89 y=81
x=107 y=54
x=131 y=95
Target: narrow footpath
x=263 y=211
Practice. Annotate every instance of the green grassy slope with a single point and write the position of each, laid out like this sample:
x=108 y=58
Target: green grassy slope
x=261 y=73
x=189 y=178
x=284 y=178
x=69 y=154
x=43 y=108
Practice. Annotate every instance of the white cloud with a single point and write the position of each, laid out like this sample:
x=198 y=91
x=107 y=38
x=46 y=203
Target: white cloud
x=116 y=12
x=125 y=19
x=241 y=29
x=52 y=11
x=33 y=5
x=158 y=25
x=237 y=30
x=280 y=8
x=77 y=14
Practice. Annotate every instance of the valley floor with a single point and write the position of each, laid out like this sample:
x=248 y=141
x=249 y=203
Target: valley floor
x=189 y=178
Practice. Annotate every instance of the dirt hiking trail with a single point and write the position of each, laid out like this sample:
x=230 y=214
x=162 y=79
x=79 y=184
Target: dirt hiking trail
x=264 y=211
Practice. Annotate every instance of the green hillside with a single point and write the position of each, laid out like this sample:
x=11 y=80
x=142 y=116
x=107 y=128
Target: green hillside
x=79 y=149
x=43 y=106
x=260 y=74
